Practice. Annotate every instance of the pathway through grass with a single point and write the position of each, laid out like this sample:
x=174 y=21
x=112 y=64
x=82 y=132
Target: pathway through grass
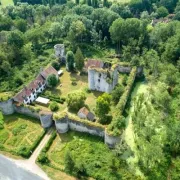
x=129 y=132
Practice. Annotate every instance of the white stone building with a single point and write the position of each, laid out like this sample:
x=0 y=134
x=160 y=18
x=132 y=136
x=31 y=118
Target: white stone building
x=102 y=76
x=30 y=92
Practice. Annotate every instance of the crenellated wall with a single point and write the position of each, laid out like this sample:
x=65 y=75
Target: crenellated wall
x=7 y=107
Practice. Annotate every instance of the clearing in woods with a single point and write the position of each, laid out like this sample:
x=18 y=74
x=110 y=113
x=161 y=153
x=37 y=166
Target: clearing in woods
x=6 y=2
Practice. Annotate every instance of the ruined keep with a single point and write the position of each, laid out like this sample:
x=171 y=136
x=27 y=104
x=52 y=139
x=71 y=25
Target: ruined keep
x=60 y=51
x=103 y=77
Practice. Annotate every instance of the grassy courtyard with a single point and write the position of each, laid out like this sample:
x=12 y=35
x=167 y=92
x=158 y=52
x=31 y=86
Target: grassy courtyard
x=66 y=86
x=20 y=134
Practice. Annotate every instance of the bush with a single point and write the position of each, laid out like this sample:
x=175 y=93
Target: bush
x=19 y=81
x=162 y=12
x=56 y=65
x=116 y=93
x=52 y=80
x=73 y=81
x=75 y=100
x=43 y=159
x=54 y=106
x=1 y=121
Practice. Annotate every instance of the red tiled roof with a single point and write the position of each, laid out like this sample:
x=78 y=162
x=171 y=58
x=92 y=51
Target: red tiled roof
x=48 y=71
x=84 y=110
x=94 y=63
x=27 y=90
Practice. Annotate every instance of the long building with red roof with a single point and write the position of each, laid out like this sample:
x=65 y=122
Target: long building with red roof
x=30 y=92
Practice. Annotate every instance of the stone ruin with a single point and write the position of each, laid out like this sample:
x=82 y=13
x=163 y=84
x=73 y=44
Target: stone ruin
x=60 y=51
x=102 y=76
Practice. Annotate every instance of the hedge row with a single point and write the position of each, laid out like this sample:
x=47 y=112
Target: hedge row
x=54 y=98
x=43 y=157
x=112 y=130
x=26 y=152
x=23 y=150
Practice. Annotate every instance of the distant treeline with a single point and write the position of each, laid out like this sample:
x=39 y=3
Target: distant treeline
x=44 y=2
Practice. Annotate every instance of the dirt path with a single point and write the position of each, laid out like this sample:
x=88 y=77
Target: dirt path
x=129 y=131
x=30 y=164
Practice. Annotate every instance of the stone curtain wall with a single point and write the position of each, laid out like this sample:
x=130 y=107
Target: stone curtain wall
x=7 y=107
x=65 y=123
x=27 y=111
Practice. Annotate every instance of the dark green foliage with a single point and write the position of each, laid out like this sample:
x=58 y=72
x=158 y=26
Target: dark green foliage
x=116 y=93
x=42 y=158
x=162 y=12
x=79 y=59
x=52 y=80
x=54 y=106
x=103 y=108
x=95 y=160
x=56 y=65
x=70 y=60
x=53 y=97
x=1 y=121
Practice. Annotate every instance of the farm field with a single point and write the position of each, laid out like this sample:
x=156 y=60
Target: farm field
x=6 y=2
x=19 y=134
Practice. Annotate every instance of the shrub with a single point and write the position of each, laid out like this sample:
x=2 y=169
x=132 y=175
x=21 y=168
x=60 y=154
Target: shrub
x=52 y=80
x=1 y=121
x=162 y=12
x=117 y=92
x=54 y=106
x=56 y=65
x=73 y=81
x=19 y=81
x=75 y=100
x=43 y=158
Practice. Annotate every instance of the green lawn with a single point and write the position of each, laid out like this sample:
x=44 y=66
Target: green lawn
x=7 y=2
x=19 y=133
x=65 y=86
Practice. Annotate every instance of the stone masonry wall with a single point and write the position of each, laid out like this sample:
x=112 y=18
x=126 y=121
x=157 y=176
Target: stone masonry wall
x=64 y=124
x=26 y=111
x=7 y=107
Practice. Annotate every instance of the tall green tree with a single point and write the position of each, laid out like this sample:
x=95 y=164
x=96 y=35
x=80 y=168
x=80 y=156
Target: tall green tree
x=70 y=61
x=79 y=59
x=103 y=107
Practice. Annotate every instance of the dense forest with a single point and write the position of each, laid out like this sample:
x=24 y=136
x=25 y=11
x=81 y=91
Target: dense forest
x=142 y=32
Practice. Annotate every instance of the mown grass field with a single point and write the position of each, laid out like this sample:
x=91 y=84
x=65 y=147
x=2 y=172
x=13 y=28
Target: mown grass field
x=19 y=132
x=6 y=2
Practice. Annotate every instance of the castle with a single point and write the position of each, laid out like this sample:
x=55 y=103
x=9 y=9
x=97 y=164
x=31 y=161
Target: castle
x=102 y=76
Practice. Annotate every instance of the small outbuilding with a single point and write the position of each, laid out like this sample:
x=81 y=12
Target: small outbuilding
x=84 y=113
x=42 y=100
